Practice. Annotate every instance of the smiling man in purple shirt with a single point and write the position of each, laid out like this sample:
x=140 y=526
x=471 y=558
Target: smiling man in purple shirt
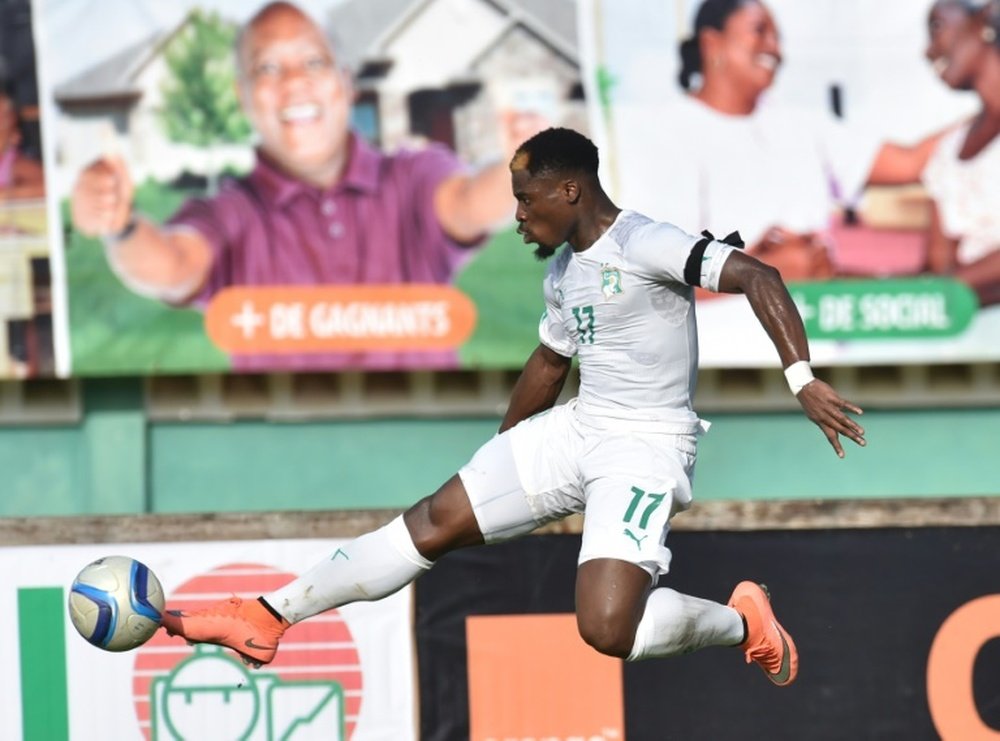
x=376 y=224
x=320 y=207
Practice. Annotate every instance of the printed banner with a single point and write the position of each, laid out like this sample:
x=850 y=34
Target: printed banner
x=896 y=631
x=184 y=160
x=346 y=674
x=822 y=133
x=207 y=176
x=26 y=283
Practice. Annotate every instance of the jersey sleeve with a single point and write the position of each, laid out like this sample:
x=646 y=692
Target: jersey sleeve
x=667 y=253
x=551 y=329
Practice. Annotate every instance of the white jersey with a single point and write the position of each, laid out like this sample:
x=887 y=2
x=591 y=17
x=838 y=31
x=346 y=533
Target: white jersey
x=624 y=307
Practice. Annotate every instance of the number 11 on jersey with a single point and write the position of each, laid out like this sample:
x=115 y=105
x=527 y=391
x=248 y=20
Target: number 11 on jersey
x=584 y=316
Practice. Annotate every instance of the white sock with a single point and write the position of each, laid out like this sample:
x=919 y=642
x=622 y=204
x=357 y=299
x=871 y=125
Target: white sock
x=676 y=623
x=370 y=567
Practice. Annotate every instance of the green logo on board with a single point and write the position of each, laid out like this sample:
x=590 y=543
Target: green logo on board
x=885 y=309
x=211 y=695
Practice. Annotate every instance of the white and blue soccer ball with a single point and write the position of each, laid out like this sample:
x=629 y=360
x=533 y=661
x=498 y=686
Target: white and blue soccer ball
x=116 y=603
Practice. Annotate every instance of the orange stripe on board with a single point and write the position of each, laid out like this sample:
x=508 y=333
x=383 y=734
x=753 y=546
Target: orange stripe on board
x=206 y=587
x=303 y=319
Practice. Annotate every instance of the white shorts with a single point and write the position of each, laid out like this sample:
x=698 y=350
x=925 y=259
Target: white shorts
x=628 y=483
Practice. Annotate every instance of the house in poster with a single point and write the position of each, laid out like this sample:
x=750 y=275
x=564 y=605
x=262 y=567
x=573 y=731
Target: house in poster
x=498 y=56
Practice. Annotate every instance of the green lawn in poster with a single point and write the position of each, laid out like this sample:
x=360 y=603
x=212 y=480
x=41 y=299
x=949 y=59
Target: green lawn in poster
x=505 y=282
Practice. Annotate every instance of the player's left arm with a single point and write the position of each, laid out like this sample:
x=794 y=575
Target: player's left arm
x=771 y=302
x=538 y=386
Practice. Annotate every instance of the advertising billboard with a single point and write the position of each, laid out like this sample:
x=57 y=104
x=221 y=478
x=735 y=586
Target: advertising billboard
x=230 y=205
x=345 y=674
x=835 y=138
x=896 y=631
x=220 y=209
x=26 y=283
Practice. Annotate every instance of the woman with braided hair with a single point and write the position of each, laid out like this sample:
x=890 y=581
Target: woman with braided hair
x=963 y=176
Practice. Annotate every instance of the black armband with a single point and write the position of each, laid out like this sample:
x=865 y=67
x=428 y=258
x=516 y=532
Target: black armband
x=733 y=239
x=692 y=268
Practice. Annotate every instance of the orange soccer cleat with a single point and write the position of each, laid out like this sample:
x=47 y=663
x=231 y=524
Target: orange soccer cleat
x=246 y=626
x=767 y=642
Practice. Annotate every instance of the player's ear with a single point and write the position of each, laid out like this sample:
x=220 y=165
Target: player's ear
x=571 y=190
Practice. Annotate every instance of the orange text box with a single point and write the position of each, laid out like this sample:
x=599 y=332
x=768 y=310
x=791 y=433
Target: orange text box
x=532 y=676
x=295 y=319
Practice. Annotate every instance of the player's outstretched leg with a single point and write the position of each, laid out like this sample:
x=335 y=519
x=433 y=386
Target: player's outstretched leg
x=370 y=567
x=766 y=642
x=249 y=627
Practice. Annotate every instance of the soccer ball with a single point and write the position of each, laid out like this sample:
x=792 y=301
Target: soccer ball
x=116 y=603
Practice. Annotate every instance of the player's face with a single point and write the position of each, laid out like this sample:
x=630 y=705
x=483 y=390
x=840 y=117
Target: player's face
x=544 y=217
x=748 y=49
x=955 y=46
x=294 y=94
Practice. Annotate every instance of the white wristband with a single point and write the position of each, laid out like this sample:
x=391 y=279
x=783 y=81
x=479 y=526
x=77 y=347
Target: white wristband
x=798 y=374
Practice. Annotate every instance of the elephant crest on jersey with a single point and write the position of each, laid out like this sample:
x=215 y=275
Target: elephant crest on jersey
x=611 y=281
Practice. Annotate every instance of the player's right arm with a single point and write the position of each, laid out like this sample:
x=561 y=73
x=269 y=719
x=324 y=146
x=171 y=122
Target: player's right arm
x=540 y=383
x=538 y=386
x=168 y=265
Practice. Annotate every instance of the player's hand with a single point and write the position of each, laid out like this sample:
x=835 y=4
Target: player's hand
x=101 y=202
x=824 y=406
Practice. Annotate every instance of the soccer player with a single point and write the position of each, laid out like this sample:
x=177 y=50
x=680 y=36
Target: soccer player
x=618 y=296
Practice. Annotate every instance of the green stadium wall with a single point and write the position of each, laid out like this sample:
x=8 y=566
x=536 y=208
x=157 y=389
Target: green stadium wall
x=115 y=461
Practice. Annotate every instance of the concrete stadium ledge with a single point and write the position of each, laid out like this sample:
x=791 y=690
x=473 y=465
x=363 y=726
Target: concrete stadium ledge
x=705 y=516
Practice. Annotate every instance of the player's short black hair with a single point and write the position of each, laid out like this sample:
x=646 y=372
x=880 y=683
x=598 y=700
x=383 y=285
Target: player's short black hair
x=559 y=150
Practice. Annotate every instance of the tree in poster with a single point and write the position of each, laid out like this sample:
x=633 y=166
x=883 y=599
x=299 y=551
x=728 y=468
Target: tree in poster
x=200 y=104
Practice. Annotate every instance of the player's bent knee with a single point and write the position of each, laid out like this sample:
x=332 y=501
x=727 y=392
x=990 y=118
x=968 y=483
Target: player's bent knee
x=443 y=521
x=432 y=536
x=609 y=637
